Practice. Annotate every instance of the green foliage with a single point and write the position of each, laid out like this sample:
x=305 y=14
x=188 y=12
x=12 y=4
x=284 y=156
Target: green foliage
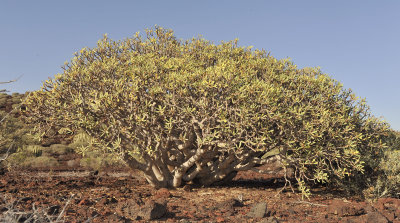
x=81 y=143
x=93 y=158
x=98 y=160
x=381 y=172
x=3 y=102
x=39 y=162
x=15 y=159
x=393 y=141
x=388 y=181
x=195 y=111
x=57 y=149
x=35 y=150
x=36 y=156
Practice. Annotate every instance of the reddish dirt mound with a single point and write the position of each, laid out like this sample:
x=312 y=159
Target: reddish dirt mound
x=126 y=197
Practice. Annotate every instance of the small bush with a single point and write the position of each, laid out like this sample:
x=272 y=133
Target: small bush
x=14 y=133
x=16 y=159
x=16 y=100
x=34 y=156
x=73 y=163
x=35 y=150
x=387 y=173
x=40 y=162
x=3 y=101
x=57 y=149
x=97 y=160
x=388 y=182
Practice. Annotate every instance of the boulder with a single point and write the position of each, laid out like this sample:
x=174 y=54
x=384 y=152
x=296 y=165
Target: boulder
x=258 y=210
x=376 y=217
x=152 y=210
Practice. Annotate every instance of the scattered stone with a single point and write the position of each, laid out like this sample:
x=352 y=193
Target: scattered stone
x=162 y=193
x=125 y=190
x=227 y=207
x=376 y=217
x=343 y=209
x=269 y=220
x=102 y=202
x=25 y=199
x=153 y=210
x=220 y=219
x=114 y=218
x=85 y=202
x=135 y=209
x=258 y=210
x=187 y=188
x=129 y=208
x=94 y=173
x=3 y=170
x=3 y=182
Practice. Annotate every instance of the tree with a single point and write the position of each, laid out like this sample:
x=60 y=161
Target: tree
x=2 y=138
x=191 y=110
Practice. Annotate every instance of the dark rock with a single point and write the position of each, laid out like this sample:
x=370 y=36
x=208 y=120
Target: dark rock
x=3 y=170
x=376 y=217
x=258 y=210
x=187 y=188
x=129 y=208
x=115 y=218
x=125 y=190
x=269 y=220
x=25 y=199
x=227 y=206
x=152 y=210
x=94 y=173
x=102 y=202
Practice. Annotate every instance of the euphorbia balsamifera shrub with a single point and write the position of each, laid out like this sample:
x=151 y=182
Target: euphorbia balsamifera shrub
x=191 y=110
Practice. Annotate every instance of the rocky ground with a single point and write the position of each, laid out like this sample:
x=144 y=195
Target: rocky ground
x=124 y=196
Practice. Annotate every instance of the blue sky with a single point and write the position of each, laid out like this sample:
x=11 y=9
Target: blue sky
x=355 y=42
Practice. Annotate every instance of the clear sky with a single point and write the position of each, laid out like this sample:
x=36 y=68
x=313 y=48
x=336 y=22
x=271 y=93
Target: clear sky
x=354 y=41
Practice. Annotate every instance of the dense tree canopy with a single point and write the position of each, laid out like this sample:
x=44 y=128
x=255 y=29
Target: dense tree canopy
x=194 y=111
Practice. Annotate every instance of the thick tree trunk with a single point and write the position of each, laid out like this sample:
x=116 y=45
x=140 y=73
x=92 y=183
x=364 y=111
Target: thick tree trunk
x=201 y=168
